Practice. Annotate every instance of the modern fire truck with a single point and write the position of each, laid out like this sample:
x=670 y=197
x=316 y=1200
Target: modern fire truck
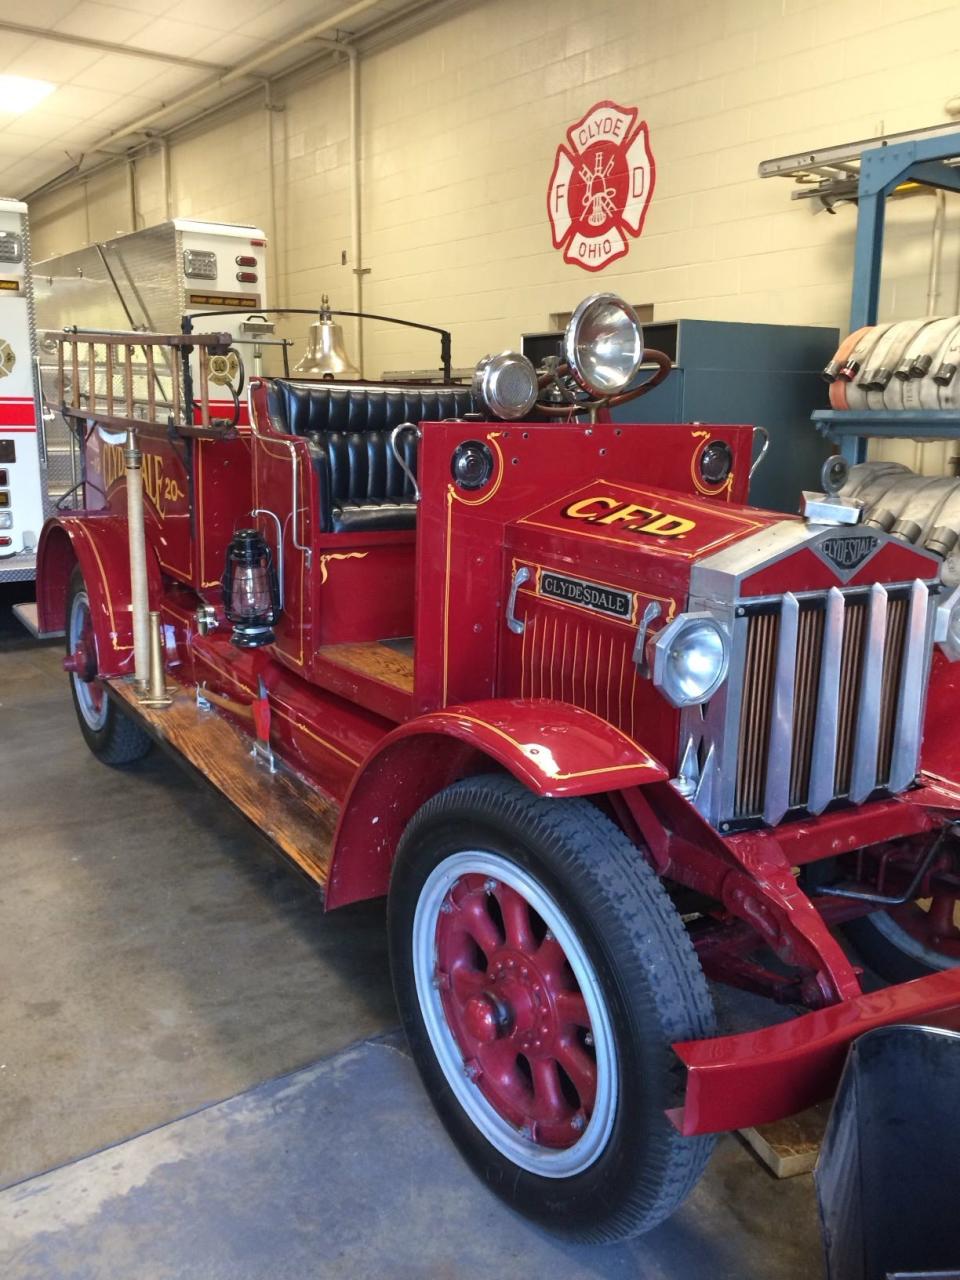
x=147 y=279
x=21 y=442
x=598 y=729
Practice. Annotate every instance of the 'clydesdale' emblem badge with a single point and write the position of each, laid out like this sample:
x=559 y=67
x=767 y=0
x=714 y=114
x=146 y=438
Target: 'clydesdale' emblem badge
x=845 y=553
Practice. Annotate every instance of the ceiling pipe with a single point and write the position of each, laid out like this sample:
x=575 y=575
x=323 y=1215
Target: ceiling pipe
x=412 y=20
x=936 y=250
x=356 y=245
x=270 y=108
x=165 y=178
x=132 y=192
x=108 y=46
x=239 y=72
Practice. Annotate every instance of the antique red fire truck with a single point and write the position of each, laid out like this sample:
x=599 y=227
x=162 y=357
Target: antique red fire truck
x=599 y=729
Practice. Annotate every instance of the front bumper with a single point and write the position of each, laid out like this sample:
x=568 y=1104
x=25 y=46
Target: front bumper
x=758 y=1076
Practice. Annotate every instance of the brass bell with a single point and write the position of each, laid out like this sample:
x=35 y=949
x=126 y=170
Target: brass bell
x=326 y=356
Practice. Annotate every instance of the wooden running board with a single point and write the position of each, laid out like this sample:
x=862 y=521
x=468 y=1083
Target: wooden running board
x=374 y=675
x=298 y=820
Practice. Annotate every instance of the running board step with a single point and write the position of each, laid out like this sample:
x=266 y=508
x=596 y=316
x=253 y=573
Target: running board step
x=298 y=820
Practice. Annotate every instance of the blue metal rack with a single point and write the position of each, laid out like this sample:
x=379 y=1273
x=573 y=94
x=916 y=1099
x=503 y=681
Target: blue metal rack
x=869 y=172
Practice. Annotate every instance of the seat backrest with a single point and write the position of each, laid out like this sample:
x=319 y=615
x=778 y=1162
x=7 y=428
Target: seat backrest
x=348 y=429
x=303 y=408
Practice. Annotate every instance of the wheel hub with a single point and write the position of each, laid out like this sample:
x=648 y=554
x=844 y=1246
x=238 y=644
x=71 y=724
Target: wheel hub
x=78 y=664
x=526 y=995
x=487 y=1018
x=515 y=1011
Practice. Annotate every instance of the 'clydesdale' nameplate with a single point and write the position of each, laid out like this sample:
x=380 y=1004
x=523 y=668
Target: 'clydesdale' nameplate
x=589 y=595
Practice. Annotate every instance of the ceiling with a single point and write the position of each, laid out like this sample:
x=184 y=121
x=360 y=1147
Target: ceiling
x=115 y=63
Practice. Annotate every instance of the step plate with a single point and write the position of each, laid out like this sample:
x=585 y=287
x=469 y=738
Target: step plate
x=298 y=820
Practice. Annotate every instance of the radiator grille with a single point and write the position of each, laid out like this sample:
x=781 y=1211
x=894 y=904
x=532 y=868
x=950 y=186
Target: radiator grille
x=830 y=703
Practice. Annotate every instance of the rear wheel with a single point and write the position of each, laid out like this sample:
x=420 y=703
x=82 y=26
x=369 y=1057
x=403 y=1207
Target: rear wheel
x=110 y=735
x=910 y=941
x=542 y=975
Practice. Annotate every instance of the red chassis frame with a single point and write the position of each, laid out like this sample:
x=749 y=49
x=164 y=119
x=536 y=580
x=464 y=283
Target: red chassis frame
x=478 y=705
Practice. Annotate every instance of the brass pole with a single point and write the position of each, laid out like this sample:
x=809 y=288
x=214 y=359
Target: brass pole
x=139 y=603
x=157 y=695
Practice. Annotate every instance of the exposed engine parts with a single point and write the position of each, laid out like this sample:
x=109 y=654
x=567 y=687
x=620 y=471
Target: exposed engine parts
x=908 y=365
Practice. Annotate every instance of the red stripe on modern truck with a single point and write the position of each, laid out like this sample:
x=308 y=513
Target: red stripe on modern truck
x=16 y=412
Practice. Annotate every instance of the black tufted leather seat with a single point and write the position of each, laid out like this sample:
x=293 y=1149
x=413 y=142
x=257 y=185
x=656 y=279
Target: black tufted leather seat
x=362 y=486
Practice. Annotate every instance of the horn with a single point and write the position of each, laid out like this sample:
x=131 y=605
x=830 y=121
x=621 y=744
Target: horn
x=326 y=356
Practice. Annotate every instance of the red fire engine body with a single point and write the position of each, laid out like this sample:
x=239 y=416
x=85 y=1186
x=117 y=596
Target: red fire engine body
x=468 y=691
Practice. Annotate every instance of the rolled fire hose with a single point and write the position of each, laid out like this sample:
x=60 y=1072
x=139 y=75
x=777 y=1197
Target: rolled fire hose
x=920 y=391
x=854 y=363
x=910 y=365
x=832 y=371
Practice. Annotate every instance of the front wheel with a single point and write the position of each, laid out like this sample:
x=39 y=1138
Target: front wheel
x=542 y=974
x=110 y=735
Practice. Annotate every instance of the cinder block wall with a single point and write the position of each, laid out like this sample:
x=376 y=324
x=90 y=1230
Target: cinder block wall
x=460 y=124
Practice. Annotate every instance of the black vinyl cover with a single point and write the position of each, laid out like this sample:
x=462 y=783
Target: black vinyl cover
x=362 y=486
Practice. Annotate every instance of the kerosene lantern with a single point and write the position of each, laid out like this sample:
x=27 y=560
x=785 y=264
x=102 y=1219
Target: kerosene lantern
x=251 y=593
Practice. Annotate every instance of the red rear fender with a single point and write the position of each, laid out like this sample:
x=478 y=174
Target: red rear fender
x=98 y=543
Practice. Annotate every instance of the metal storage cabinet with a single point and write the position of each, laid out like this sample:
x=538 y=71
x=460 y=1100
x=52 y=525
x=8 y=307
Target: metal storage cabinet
x=763 y=374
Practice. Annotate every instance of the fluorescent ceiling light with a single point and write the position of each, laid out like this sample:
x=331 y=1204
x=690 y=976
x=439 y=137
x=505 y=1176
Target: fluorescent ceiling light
x=21 y=93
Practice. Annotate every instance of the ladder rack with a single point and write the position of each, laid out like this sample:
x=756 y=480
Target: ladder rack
x=115 y=379
x=832 y=173
x=868 y=172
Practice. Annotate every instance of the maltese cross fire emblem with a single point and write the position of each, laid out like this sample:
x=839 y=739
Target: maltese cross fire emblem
x=601 y=186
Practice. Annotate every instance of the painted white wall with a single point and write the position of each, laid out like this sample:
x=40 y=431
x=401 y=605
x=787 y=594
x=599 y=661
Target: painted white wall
x=460 y=125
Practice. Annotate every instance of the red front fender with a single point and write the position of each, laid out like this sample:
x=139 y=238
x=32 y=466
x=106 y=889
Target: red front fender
x=98 y=543
x=553 y=748
x=759 y=1076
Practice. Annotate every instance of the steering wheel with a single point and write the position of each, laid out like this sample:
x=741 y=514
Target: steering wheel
x=559 y=377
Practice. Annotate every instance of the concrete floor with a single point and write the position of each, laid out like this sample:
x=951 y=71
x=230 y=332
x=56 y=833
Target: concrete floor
x=155 y=958
x=293 y=1181
x=154 y=955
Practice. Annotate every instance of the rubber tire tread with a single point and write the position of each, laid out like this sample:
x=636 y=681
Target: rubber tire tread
x=602 y=880
x=121 y=741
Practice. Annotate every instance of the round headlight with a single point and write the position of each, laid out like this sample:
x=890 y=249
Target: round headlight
x=506 y=384
x=603 y=344
x=691 y=657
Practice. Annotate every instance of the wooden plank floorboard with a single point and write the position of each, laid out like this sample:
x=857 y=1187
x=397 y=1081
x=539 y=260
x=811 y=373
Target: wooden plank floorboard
x=299 y=820
x=375 y=660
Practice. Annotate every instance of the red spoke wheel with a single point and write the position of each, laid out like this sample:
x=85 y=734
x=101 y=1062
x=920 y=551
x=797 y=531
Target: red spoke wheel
x=513 y=1007
x=110 y=735
x=913 y=940
x=81 y=663
x=542 y=975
